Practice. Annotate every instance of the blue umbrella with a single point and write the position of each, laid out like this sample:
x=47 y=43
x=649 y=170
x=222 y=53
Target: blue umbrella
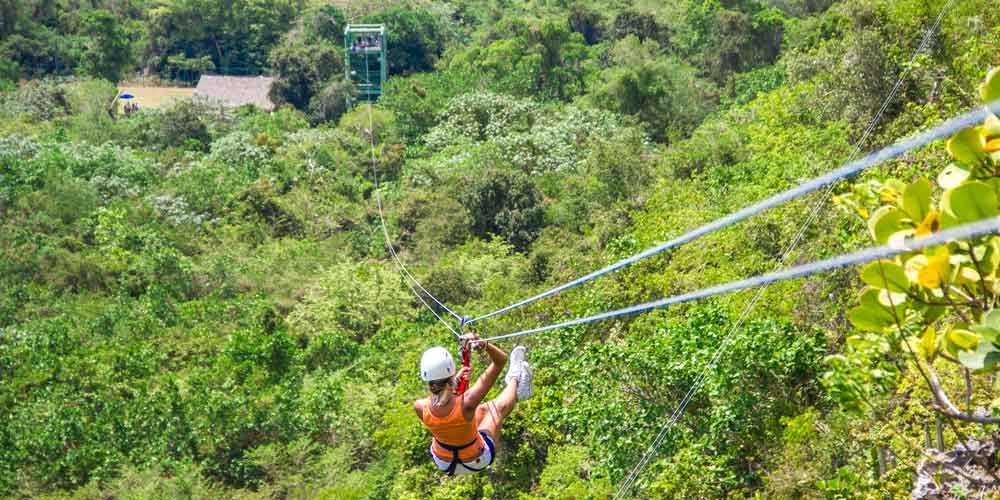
x=126 y=96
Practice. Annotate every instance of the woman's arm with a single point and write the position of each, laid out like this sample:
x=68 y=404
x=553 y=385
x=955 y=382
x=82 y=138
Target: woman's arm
x=475 y=394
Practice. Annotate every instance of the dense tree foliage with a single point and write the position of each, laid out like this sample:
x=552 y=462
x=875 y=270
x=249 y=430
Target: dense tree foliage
x=417 y=38
x=197 y=302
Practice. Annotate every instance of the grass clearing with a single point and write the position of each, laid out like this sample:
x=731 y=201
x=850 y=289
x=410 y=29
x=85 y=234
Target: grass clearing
x=155 y=97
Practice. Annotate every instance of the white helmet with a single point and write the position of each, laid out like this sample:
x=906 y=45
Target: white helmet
x=436 y=364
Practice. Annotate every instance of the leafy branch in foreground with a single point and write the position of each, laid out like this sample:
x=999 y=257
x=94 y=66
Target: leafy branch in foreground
x=937 y=304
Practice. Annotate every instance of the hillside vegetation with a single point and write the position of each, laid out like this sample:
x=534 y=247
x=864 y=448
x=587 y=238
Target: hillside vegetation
x=197 y=302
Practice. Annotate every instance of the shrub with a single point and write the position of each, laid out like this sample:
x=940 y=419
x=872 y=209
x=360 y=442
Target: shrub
x=303 y=66
x=561 y=140
x=480 y=116
x=331 y=102
x=10 y=73
x=381 y=123
x=241 y=151
x=270 y=128
x=664 y=93
x=39 y=100
x=322 y=154
x=570 y=472
x=89 y=102
x=418 y=100
x=505 y=204
x=355 y=299
x=183 y=125
x=257 y=206
x=432 y=221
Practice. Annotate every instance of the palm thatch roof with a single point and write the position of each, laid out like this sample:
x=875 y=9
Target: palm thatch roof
x=234 y=91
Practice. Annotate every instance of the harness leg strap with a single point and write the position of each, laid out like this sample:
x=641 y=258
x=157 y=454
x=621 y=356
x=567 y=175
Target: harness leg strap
x=455 y=460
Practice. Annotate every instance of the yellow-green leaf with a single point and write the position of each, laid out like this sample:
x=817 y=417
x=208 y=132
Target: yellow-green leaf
x=870 y=315
x=890 y=299
x=928 y=342
x=967 y=147
x=991 y=258
x=964 y=339
x=886 y=274
x=966 y=275
x=970 y=202
x=917 y=199
x=884 y=222
x=990 y=88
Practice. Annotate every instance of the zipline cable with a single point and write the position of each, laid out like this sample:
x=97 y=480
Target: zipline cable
x=849 y=170
x=813 y=214
x=966 y=231
x=411 y=281
x=896 y=150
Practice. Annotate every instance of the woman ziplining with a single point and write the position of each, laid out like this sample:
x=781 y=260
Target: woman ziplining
x=464 y=431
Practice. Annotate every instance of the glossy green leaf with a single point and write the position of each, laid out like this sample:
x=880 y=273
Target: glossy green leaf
x=989 y=90
x=886 y=274
x=964 y=339
x=989 y=326
x=884 y=222
x=934 y=313
x=870 y=315
x=967 y=147
x=990 y=259
x=970 y=202
x=917 y=199
x=985 y=356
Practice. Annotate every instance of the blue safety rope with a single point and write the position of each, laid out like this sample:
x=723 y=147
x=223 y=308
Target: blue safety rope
x=964 y=232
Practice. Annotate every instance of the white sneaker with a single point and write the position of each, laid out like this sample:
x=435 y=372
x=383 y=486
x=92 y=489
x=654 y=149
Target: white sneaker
x=515 y=362
x=524 y=388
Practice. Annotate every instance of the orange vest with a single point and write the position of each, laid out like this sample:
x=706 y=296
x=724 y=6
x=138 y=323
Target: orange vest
x=453 y=430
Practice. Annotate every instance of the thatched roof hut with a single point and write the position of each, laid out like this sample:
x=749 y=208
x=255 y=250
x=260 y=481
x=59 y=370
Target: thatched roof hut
x=234 y=91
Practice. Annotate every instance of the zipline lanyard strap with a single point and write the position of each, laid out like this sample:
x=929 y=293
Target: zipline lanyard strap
x=464 y=383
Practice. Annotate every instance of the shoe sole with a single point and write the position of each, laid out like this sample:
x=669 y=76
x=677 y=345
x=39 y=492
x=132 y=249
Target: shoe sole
x=517 y=359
